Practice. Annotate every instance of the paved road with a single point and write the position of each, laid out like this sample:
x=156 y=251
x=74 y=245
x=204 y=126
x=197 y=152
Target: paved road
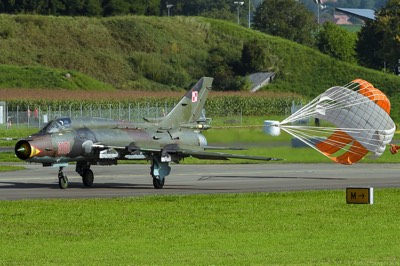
x=134 y=180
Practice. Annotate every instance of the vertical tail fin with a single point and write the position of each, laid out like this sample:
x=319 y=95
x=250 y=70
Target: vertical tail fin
x=188 y=110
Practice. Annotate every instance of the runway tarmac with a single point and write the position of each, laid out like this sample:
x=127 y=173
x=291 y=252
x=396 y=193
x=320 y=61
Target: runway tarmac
x=134 y=180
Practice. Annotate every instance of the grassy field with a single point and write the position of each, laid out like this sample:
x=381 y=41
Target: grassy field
x=312 y=227
x=6 y=168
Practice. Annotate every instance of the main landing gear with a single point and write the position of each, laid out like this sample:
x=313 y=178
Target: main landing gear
x=87 y=178
x=159 y=170
x=83 y=169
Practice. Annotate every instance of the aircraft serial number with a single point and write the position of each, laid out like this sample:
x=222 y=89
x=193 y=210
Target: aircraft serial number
x=64 y=147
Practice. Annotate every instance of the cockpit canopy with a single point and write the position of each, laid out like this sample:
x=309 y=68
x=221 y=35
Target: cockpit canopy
x=57 y=125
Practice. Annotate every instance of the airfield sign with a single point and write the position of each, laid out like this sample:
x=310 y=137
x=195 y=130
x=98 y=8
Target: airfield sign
x=360 y=195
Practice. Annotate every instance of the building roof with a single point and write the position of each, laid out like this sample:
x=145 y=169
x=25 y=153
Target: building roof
x=364 y=14
x=341 y=20
x=260 y=79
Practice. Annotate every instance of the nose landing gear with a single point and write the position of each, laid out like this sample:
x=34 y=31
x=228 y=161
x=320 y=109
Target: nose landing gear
x=62 y=178
x=159 y=170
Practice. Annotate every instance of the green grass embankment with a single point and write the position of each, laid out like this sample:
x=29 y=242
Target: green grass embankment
x=40 y=77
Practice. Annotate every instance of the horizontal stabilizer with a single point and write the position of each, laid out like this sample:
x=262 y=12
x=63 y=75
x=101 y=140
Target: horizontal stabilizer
x=225 y=156
x=222 y=148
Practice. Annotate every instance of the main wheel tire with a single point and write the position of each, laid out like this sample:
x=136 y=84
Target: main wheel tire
x=157 y=183
x=87 y=178
x=63 y=182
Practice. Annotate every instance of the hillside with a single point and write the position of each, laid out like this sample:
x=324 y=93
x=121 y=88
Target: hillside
x=40 y=77
x=166 y=53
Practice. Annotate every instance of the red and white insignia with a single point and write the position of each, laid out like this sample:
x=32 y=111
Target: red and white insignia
x=195 y=94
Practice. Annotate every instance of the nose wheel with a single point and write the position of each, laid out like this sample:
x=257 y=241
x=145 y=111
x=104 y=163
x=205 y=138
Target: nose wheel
x=159 y=170
x=158 y=183
x=62 y=179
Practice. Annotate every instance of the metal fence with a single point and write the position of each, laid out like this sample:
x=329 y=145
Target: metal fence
x=40 y=116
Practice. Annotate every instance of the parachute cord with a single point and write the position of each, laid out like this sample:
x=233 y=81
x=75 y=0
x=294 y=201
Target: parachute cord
x=304 y=141
x=303 y=112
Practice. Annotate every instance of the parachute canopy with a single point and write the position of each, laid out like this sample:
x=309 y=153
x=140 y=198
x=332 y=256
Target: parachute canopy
x=358 y=119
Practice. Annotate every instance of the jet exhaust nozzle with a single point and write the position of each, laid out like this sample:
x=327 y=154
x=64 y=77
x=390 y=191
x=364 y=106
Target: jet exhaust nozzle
x=23 y=150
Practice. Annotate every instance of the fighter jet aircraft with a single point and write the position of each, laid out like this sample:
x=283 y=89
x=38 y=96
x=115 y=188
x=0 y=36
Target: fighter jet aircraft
x=99 y=141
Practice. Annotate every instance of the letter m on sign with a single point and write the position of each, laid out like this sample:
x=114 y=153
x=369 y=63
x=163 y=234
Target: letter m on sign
x=353 y=195
x=195 y=95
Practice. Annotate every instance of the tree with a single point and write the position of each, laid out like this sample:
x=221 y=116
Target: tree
x=224 y=14
x=74 y=7
x=368 y=45
x=153 y=7
x=368 y=4
x=254 y=57
x=286 y=18
x=115 y=7
x=337 y=42
x=6 y=6
x=221 y=66
x=92 y=8
x=378 y=42
x=200 y=8
x=54 y=7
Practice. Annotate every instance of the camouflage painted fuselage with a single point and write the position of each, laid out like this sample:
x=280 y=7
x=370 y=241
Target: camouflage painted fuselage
x=98 y=141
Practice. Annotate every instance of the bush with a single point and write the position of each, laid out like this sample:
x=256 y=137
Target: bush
x=337 y=42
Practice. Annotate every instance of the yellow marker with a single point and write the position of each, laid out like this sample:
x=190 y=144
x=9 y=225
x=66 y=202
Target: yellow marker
x=34 y=151
x=359 y=195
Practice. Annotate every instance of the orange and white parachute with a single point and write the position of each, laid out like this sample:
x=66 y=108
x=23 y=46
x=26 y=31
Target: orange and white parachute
x=360 y=118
